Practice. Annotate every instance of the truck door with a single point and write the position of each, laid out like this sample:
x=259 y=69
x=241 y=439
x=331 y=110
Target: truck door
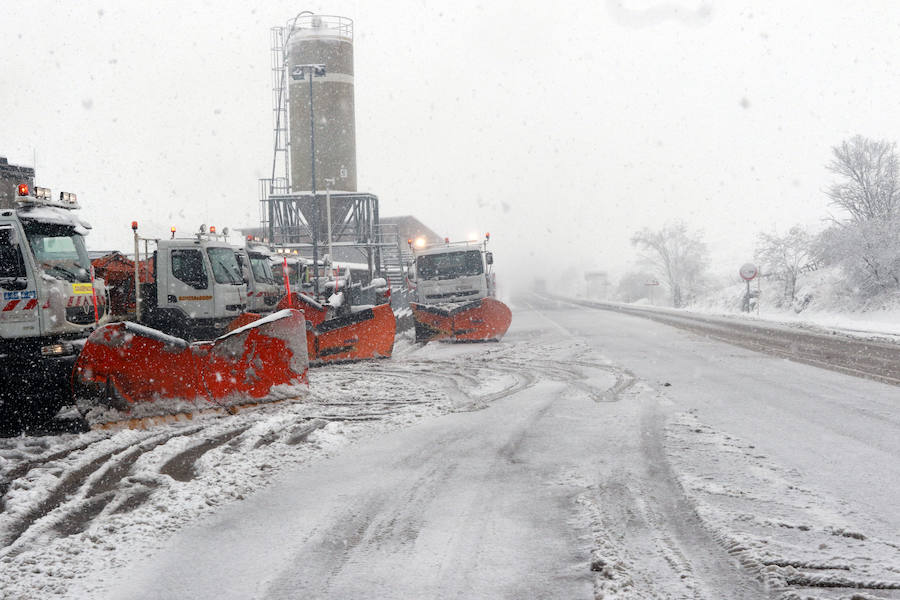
x=189 y=286
x=19 y=307
x=230 y=292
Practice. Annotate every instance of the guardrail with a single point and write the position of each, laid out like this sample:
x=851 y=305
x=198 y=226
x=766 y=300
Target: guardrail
x=871 y=359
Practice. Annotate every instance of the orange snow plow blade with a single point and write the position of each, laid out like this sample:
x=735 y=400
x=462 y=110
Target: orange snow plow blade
x=366 y=333
x=484 y=319
x=128 y=370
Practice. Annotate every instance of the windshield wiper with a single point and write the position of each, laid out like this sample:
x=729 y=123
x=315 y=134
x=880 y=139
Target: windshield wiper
x=69 y=275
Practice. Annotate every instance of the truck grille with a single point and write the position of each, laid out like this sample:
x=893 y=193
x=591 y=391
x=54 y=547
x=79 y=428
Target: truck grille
x=84 y=315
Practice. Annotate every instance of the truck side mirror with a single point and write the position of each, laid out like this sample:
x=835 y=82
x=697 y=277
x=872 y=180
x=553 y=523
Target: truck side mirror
x=489 y=258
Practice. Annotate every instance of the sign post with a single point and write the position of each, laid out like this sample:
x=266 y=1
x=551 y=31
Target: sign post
x=748 y=273
x=650 y=285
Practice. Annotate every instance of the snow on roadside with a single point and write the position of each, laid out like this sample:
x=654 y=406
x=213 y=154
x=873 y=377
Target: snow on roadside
x=793 y=538
x=824 y=302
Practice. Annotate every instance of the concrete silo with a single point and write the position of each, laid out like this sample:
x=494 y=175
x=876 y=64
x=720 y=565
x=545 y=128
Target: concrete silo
x=327 y=40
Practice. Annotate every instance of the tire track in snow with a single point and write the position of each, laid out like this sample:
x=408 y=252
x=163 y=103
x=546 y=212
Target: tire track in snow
x=66 y=499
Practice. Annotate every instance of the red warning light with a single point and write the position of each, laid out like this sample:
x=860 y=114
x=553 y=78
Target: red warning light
x=134 y=225
x=212 y=229
x=487 y=235
x=23 y=189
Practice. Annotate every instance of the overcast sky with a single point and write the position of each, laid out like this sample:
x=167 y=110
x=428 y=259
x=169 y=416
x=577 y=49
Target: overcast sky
x=559 y=130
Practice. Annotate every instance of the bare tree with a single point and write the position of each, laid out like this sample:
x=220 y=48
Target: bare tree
x=868 y=185
x=785 y=257
x=677 y=256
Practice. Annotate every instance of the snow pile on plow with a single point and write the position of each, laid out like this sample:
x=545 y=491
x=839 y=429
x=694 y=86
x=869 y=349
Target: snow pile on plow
x=128 y=370
x=482 y=319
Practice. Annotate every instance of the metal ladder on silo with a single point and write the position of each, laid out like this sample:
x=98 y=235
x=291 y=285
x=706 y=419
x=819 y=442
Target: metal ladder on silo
x=279 y=105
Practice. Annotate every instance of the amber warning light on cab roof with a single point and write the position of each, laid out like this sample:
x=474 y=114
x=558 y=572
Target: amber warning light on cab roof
x=23 y=189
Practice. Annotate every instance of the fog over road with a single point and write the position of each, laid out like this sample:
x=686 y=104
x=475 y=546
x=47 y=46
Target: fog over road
x=623 y=458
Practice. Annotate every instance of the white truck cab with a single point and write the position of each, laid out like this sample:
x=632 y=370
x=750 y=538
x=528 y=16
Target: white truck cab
x=199 y=287
x=45 y=272
x=298 y=272
x=263 y=292
x=451 y=272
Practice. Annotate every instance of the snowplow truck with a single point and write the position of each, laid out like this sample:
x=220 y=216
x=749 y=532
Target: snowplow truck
x=191 y=288
x=453 y=292
x=347 y=321
x=179 y=353
x=50 y=305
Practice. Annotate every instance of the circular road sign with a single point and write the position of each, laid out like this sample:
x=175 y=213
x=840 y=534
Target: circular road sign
x=749 y=271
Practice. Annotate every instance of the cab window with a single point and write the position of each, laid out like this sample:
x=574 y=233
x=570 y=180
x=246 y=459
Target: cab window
x=187 y=266
x=12 y=264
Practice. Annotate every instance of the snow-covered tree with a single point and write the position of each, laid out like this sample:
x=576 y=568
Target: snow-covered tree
x=867 y=245
x=868 y=185
x=785 y=257
x=868 y=252
x=677 y=256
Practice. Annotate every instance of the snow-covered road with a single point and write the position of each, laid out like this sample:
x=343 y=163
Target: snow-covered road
x=590 y=454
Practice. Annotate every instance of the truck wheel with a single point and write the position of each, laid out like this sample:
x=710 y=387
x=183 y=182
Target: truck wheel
x=10 y=424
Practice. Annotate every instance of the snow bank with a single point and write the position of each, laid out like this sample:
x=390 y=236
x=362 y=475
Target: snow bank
x=822 y=301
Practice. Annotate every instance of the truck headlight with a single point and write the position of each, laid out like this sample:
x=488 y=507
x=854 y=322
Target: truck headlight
x=63 y=349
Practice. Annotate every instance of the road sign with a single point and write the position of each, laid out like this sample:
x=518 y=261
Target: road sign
x=749 y=271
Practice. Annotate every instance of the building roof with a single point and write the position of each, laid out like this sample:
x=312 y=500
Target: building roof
x=410 y=228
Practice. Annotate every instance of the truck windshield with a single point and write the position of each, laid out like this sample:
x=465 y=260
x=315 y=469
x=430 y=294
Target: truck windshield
x=259 y=264
x=450 y=265
x=224 y=265
x=58 y=250
x=295 y=271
